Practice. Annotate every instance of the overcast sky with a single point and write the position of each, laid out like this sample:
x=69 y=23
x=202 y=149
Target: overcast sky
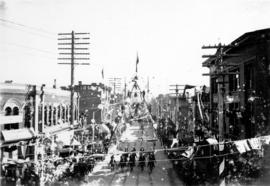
x=167 y=34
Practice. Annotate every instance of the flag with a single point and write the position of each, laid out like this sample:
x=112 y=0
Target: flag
x=222 y=167
x=137 y=62
x=223 y=183
x=102 y=73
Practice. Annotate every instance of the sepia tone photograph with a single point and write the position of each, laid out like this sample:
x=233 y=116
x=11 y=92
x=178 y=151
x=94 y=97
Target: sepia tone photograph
x=134 y=92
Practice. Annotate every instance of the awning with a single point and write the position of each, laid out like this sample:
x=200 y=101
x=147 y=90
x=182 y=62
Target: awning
x=56 y=129
x=18 y=134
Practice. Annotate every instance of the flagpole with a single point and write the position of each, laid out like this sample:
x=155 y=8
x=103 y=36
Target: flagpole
x=137 y=62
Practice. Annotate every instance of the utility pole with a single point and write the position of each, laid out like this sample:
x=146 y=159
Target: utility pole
x=176 y=89
x=148 y=85
x=73 y=55
x=219 y=72
x=115 y=83
x=125 y=89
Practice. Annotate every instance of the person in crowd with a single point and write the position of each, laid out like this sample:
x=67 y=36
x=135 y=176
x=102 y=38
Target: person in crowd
x=122 y=162
x=142 y=160
x=132 y=160
x=151 y=161
x=112 y=163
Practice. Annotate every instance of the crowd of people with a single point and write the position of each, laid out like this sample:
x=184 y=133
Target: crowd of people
x=203 y=167
x=128 y=160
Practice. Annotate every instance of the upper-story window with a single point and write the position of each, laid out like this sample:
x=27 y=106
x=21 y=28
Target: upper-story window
x=15 y=111
x=249 y=76
x=234 y=80
x=45 y=115
x=8 y=111
x=27 y=116
x=214 y=86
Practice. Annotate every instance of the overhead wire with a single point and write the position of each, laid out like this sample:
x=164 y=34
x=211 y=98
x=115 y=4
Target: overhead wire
x=40 y=33
x=29 y=32
x=26 y=26
x=31 y=48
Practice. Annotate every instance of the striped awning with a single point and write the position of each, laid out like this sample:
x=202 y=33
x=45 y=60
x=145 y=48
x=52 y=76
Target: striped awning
x=18 y=134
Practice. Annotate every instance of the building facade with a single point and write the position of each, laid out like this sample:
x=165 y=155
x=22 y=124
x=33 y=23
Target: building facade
x=93 y=100
x=239 y=86
x=29 y=115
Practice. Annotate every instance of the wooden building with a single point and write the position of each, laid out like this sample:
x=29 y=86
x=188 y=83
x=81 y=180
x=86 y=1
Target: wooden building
x=240 y=86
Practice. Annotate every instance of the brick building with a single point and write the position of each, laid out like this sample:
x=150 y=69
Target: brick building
x=92 y=96
x=28 y=115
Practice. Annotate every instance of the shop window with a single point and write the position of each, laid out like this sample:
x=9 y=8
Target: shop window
x=20 y=152
x=30 y=152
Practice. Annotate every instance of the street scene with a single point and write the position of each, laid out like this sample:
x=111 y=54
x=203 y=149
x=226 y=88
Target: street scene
x=134 y=93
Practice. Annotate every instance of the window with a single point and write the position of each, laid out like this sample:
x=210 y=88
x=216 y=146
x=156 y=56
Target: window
x=59 y=112
x=234 y=81
x=214 y=85
x=45 y=115
x=8 y=111
x=50 y=116
x=27 y=116
x=15 y=111
x=11 y=126
x=54 y=116
x=249 y=76
x=63 y=113
x=30 y=152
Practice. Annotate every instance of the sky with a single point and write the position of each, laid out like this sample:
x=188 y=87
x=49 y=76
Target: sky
x=167 y=35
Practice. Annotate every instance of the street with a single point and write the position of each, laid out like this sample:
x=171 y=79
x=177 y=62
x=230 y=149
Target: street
x=163 y=173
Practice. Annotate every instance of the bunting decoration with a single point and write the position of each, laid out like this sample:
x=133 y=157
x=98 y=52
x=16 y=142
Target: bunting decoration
x=255 y=143
x=189 y=152
x=242 y=146
x=222 y=166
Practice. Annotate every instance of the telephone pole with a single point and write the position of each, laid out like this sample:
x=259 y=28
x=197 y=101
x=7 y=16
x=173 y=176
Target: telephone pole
x=116 y=85
x=176 y=89
x=217 y=70
x=73 y=47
